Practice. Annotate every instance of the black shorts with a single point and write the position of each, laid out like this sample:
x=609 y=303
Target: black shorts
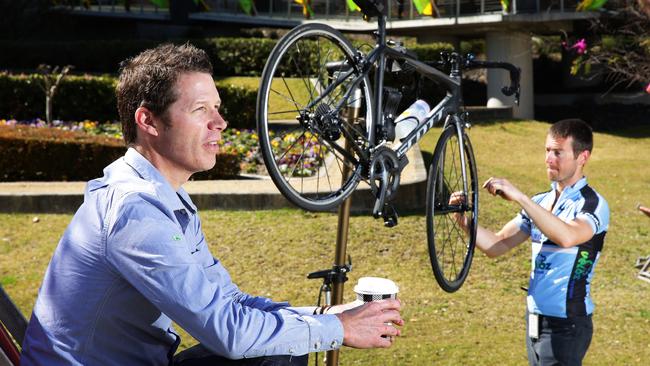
x=561 y=341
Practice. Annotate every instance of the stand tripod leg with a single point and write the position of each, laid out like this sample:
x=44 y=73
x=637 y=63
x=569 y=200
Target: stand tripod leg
x=332 y=357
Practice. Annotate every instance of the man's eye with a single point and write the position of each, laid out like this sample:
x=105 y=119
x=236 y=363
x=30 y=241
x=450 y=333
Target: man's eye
x=201 y=108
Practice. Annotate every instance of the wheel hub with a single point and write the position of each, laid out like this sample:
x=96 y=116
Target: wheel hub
x=326 y=122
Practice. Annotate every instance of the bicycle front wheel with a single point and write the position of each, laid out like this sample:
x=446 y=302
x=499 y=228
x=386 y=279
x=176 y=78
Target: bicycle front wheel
x=313 y=117
x=452 y=199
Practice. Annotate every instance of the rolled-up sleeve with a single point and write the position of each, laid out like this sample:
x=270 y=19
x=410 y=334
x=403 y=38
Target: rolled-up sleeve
x=149 y=250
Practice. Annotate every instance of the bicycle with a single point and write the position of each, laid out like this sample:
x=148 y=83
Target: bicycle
x=324 y=128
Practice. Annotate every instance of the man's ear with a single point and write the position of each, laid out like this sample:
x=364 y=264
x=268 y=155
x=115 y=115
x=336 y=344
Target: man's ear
x=146 y=122
x=583 y=157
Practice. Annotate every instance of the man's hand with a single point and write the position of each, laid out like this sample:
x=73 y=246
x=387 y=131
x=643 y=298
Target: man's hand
x=457 y=199
x=503 y=188
x=364 y=326
x=645 y=210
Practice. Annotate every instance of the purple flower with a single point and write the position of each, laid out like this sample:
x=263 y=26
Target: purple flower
x=580 y=46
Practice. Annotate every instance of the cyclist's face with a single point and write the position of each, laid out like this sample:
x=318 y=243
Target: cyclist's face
x=561 y=164
x=189 y=143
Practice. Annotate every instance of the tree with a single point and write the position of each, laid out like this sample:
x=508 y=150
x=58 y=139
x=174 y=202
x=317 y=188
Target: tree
x=619 y=40
x=50 y=82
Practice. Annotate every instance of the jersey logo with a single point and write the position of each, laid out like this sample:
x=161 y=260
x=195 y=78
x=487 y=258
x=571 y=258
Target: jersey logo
x=541 y=263
x=583 y=266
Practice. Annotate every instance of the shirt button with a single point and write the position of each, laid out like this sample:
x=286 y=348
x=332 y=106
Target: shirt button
x=317 y=345
x=334 y=344
x=291 y=351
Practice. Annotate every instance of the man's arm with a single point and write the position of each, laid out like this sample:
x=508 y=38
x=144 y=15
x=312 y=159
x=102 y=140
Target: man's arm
x=564 y=234
x=496 y=244
x=490 y=243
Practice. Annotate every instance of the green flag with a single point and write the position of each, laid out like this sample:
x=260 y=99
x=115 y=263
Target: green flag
x=424 y=7
x=161 y=3
x=247 y=6
x=590 y=5
x=353 y=6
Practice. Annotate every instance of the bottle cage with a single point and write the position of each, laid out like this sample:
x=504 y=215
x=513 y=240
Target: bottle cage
x=372 y=8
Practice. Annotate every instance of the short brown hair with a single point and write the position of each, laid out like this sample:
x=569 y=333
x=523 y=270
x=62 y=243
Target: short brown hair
x=148 y=79
x=578 y=130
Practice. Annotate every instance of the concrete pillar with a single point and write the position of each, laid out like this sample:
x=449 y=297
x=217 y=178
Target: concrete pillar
x=515 y=48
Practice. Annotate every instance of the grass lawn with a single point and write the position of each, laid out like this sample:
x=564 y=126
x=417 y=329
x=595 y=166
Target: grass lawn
x=281 y=106
x=271 y=252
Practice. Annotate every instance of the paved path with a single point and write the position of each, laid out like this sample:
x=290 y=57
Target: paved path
x=245 y=194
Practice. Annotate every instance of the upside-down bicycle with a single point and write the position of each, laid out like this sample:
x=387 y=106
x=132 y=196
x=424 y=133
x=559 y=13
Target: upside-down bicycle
x=324 y=128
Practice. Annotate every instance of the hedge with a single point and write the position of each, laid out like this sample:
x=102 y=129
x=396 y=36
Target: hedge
x=229 y=56
x=93 y=98
x=48 y=154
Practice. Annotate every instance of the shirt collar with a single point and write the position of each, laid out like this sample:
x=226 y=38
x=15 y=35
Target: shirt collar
x=177 y=200
x=568 y=191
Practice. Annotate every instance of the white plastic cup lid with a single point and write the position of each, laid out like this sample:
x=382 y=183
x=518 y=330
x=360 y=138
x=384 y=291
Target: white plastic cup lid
x=375 y=286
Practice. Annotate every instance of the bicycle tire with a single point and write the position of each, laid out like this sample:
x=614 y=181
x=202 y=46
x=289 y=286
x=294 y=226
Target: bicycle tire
x=451 y=249
x=302 y=145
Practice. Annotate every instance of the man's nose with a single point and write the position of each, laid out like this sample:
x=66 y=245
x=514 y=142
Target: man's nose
x=549 y=157
x=217 y=122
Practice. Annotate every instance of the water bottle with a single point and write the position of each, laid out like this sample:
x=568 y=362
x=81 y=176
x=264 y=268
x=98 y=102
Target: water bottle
x=411 y=118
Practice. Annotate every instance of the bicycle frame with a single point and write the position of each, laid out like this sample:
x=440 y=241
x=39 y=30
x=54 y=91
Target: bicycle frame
x=378 y=56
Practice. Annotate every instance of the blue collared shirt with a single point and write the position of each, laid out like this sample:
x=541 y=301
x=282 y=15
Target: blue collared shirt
x=133 y=260
x=560 y=279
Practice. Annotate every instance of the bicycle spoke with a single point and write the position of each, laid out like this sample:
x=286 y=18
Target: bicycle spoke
x=303 y=162
x=291 y=100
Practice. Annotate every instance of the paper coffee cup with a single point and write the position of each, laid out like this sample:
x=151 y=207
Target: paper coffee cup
x=375 y=288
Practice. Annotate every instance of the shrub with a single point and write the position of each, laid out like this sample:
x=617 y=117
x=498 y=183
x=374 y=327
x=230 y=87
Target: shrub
x=50 y=154
x=229 y=56
x=93 y=97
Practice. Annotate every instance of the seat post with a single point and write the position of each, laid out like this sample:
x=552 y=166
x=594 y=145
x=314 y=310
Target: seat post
x=379 y=75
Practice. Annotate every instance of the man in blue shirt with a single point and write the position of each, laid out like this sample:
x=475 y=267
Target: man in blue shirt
x=567 y=226
x=134 y=257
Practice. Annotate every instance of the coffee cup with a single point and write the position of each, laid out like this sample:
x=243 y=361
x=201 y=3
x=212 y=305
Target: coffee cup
x=375 y=288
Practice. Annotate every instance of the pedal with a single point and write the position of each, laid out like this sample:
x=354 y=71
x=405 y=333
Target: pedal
x=390 y=216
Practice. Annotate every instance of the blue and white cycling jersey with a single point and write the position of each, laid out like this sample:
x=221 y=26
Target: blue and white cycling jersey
x=560 y=278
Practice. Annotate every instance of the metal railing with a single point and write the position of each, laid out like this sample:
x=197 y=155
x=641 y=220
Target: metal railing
x=325 y=9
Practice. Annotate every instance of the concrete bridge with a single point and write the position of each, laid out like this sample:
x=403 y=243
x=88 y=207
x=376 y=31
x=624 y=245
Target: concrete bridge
x=507 y=32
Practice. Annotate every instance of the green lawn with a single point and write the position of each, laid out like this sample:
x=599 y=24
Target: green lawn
x=286 y=91
x=270 y=253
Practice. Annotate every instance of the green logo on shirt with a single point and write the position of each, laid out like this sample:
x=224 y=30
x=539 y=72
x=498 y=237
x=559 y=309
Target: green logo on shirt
x=176 y=237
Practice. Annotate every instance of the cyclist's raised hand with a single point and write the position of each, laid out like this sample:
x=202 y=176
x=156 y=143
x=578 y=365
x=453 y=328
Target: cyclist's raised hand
x=503 y=188
x=456 y=199
x=369 y=325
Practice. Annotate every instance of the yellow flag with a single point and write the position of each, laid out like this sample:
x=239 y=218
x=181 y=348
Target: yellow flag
x=423 y=7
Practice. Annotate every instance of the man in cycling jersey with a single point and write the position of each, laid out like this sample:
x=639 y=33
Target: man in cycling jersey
x=134 y=259
x=567 y=226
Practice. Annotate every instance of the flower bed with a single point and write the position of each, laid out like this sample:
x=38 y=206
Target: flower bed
x=240 y=151
x=245 y=144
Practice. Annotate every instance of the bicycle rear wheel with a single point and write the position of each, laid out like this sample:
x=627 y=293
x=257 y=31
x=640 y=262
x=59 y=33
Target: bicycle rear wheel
x=313 y=117
x=451 y=248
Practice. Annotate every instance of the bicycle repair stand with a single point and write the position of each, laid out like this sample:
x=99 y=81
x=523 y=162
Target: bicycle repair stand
x=333 y=279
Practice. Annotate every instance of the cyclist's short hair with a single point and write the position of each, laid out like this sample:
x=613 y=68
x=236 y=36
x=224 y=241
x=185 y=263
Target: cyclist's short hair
x=148 y=80
x=578 y=130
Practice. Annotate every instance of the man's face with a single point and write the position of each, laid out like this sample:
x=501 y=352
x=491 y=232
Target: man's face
x=189 y=143
x=561 y=164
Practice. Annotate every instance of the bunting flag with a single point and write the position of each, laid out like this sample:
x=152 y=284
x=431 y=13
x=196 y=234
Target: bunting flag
x=590 y=5
x=160 y=3
x=246 y=6
x=353 y=6
x=424 y=7
x=306 y=8
x=505 y=4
